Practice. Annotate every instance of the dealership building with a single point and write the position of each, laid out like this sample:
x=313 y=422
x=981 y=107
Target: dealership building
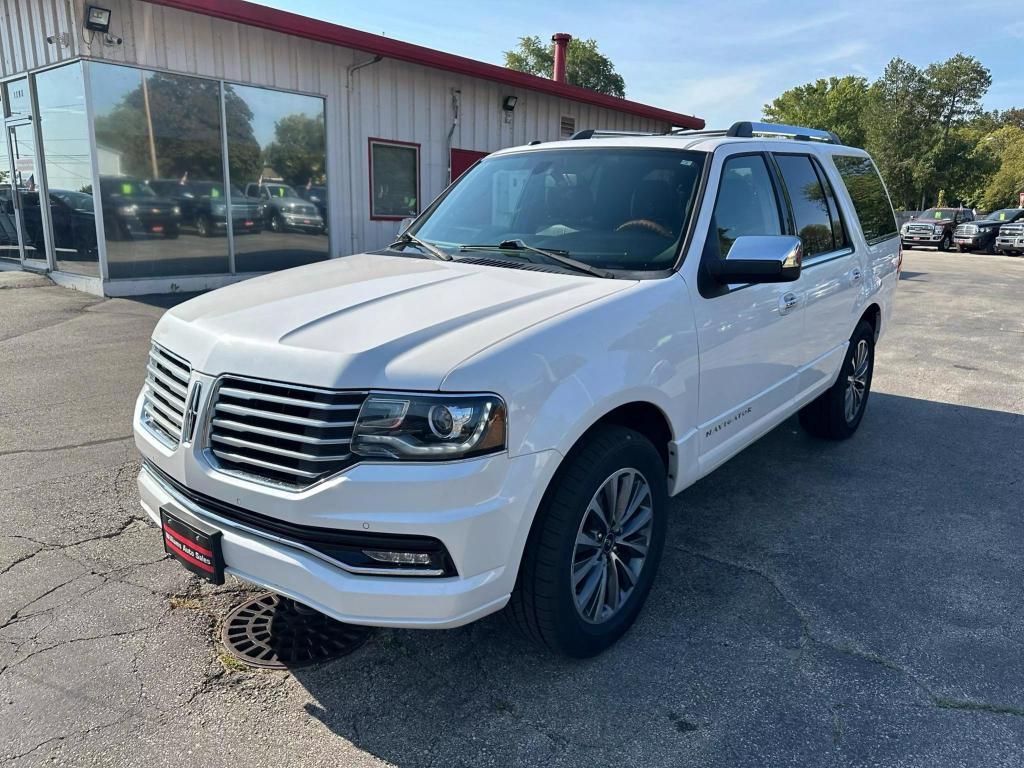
x=186 y=144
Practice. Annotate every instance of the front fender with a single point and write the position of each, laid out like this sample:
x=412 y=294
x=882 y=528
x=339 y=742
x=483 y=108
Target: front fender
x=561 y=376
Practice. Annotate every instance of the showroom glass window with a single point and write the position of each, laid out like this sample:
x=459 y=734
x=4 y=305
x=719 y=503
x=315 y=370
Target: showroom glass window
x=158 y=136
x=64 y=126
x=9 y=251
x=394 y=179
x=277 y=159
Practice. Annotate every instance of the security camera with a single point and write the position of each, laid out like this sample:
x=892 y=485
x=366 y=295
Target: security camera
x=62 y=39
x=112 y=40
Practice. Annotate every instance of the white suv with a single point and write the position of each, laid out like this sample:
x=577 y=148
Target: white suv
x=495 y=410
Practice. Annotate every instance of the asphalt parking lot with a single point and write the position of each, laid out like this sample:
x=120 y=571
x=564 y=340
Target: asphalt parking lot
x=853 y=604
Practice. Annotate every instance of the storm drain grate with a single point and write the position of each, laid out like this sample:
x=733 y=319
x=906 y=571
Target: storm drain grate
x=274 y=632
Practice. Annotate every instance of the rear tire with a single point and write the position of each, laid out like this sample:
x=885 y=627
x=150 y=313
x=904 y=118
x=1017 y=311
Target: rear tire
x=572 y=563
x=836 y=413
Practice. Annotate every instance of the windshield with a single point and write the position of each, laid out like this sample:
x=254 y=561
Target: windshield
x=938 y=214
x=1007 y=214
x=613 y=208
x=280 y=190
x=125 y=187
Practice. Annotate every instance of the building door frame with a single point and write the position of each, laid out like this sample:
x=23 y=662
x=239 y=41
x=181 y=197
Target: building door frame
x=35 y=259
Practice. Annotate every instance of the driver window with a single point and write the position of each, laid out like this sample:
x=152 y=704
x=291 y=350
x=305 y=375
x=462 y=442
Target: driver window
x=746 y=202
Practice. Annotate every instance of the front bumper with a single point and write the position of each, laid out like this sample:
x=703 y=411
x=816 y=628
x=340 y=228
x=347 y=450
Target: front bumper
x=932 y=239
x=1010 y=243
x=480 y=510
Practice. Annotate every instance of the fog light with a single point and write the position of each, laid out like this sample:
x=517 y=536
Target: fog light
x=400 y=558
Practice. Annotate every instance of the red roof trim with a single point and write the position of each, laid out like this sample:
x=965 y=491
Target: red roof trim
x=312 y=29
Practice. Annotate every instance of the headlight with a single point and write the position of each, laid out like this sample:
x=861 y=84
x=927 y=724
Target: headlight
x=127 y=210
x=219 y=209
x=176 y=210
x=429 y=427
x=937 y=229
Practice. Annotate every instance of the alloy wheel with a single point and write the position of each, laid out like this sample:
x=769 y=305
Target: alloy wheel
x=857 y=381
x=611 y=547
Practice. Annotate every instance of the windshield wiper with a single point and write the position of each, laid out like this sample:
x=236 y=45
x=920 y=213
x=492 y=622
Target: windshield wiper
x=407 y=238
x=559 y=256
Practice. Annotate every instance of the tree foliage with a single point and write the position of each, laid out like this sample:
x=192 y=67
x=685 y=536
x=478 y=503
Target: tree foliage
x=925 y=128
x=585 y=65
x=298 y=149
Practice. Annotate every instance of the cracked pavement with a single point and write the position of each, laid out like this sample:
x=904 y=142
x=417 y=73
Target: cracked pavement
x=819 y=604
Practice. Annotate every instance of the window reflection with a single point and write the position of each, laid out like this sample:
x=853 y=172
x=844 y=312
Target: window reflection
x=277 y=158
x=158 y=140
x=65 y=131
x=8 y=227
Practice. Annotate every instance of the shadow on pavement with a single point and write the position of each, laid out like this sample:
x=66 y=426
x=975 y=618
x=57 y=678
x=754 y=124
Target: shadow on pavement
x=817 y=603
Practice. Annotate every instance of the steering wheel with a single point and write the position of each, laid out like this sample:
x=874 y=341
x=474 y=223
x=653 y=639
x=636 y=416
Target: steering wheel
x=653 y=226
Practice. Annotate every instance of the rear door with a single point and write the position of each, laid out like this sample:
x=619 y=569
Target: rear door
x=832 y=274
x=749 y=336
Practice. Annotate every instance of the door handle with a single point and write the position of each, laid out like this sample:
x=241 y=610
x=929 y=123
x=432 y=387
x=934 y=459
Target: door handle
x=787 y=303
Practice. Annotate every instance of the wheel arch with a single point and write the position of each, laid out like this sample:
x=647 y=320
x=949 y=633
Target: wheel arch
x=873 y=316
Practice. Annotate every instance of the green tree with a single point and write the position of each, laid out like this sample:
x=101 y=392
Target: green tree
x=298 y=149
x=1006 y=146
x=955 y=90
x=836 y=104
x=585 y=65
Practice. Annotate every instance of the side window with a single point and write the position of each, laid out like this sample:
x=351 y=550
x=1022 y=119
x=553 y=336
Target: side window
x=810 y=203
x=869 y=198
x=746 y=202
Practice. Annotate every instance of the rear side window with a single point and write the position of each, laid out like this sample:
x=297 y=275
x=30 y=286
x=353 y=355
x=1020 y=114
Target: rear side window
x=869 y=198
x=746 y=202
x=814 y=211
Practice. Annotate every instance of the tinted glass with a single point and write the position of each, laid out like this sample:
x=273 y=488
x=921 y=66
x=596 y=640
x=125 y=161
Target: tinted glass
x=8 y=226
x=276 y=142
x=810 y=204
x=869 y=198
x=612 y=208
x=1006 y=214
x=746 y=202
x=65 y=129
x=394 y=179
x=153 y=126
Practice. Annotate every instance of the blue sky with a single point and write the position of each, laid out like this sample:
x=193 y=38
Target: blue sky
x=721 y=61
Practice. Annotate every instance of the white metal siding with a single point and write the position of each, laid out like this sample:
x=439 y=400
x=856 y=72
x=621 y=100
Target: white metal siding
x=390 y=99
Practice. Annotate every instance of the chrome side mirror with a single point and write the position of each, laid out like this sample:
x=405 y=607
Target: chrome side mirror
x=759 y=259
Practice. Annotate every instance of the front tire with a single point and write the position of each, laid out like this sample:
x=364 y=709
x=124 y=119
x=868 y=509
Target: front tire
x=836 y=414
x=946 y=242
x=595 y=545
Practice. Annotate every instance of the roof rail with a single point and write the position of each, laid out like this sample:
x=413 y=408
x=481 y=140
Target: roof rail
x=746 y=130
x=594 y=133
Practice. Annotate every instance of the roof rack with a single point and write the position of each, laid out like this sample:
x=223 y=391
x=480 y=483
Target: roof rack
x=593 y=133
x=741 y=130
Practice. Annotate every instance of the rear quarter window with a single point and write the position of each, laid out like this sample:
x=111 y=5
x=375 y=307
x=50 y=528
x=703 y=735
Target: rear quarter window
x=870 y=200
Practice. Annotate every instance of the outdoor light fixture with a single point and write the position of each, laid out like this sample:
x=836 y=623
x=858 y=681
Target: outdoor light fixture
x=97 y=19
x=509 y=103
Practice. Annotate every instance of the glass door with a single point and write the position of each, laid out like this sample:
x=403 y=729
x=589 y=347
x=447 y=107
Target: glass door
x=20 y=199
x=10 y=244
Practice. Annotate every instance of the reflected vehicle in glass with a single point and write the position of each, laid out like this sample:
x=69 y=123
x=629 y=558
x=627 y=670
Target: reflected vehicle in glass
x=317 y=195
x=74 y=221
x=283 y=210
x=131 y=208
x=8 y=227
x=204 y=206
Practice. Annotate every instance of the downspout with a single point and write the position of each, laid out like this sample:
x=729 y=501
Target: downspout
x=456 y=105
x=352 y=156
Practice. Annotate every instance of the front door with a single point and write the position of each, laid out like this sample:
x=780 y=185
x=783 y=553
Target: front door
x=748 y=335
x=23 y=220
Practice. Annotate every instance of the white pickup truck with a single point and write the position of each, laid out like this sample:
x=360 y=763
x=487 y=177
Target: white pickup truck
x=494 y=411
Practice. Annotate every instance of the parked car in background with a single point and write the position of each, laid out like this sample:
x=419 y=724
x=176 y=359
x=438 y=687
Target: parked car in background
x=934 y=227
x=131 y=208
x=283 y=210
x=981 y=234
x=494 y=410
x=204 y=206
x=1010 y=239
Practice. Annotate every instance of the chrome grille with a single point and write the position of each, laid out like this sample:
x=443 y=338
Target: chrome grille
x=1011 y=230
x=920 y=229
x=281 y=434
x=163 y=405
x=966 y=230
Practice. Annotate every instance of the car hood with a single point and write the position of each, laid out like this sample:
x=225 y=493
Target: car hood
x=368 y=321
